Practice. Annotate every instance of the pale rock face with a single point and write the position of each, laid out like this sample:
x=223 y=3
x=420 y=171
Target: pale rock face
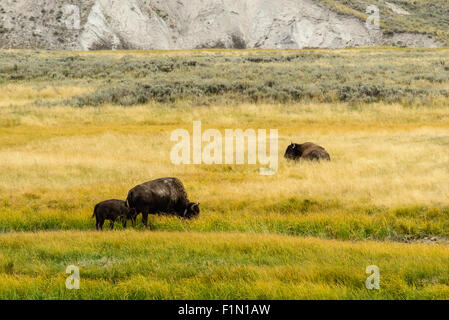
x=408 y=39
x=96 y=31
x=187 y=24
x=114 y=24
x=182 y=24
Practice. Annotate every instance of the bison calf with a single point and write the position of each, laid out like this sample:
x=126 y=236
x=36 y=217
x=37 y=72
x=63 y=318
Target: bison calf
x=306 y=151
x=161 y=196
x=112 y=210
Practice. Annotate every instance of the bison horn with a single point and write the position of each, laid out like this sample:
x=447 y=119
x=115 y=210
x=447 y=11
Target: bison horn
x=185 y=212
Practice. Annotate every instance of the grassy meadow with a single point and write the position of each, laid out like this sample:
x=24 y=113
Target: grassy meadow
x=168 y=265
x=71 y=137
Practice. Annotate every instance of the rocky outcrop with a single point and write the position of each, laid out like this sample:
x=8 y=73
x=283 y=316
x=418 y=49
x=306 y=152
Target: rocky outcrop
x=187 y=24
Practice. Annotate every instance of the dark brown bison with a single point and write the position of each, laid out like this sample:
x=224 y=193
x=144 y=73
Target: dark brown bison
x=161 y=196
x=112 y=210
x=306 y=151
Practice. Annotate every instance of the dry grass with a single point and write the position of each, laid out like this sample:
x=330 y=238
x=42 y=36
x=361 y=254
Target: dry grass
x=22 y=95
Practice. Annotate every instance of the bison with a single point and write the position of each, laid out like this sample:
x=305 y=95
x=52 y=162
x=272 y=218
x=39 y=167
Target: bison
x=112 y=210
x=161 y=196
x=306 y=151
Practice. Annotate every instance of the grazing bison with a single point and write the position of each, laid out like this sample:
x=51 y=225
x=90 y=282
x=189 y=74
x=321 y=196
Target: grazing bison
x=112 y=210
x=161 y=196
x=307 y=151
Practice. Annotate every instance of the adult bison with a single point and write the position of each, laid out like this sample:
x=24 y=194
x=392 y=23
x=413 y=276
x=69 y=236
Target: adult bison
x=112 y=210
x=306 y=151
x=161 y=196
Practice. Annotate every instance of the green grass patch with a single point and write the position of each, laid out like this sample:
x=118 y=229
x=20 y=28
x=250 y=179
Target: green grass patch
x=142 y=265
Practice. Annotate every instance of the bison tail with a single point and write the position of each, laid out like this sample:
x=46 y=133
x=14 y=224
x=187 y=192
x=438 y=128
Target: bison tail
x=95 y=212
x=129 y=202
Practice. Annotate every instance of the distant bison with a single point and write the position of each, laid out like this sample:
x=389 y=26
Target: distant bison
x=162 y=196
x=112 y=210
x=306 y=151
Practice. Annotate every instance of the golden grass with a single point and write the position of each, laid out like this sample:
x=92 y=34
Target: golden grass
x=21 y=94
x=385 y=155
x=57 y=162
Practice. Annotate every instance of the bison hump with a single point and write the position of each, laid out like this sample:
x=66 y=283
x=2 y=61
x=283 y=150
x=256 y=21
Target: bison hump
x=169 y=188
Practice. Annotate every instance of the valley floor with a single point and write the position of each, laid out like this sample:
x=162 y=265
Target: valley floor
x=387 y=182
x=307 y=232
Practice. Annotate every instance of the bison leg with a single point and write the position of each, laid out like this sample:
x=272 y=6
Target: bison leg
x=123 y=220
x=112 y=224
x=145 y=219
x=100 y=224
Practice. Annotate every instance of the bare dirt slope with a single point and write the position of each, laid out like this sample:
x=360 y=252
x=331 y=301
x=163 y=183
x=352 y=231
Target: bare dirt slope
x=189 y=24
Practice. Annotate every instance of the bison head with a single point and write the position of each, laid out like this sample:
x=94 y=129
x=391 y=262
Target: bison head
x=293 y=151
x=131 y=214
x=192 y=210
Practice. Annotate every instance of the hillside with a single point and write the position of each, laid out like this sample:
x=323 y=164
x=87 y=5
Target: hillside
x=182 y=24
x=399 y=17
